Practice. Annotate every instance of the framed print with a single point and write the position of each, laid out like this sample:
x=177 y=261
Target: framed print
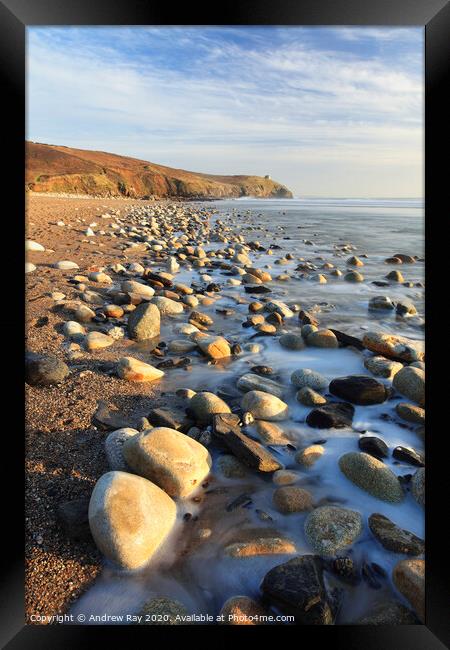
x=226 y=220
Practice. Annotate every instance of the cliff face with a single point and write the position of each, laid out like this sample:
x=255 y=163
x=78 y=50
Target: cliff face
x=51 y=168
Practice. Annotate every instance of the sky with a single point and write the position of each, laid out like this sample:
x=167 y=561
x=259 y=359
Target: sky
x=334 y=112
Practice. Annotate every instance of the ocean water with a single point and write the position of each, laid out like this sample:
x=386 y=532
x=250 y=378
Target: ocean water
x=203 y=577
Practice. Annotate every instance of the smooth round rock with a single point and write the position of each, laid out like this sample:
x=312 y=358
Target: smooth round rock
x=329 y=529
x=322 y=339
x=242 y=610
x=310 y=455
x=371 y=475
x=291 y=499
x=129 y=518
x=410 y=382
x=264 y=406
x=309 y=378
x=204 y=405
x=292 y=342
x=169 y=458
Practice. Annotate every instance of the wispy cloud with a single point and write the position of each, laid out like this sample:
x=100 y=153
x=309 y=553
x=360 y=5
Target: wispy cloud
x=301 y=104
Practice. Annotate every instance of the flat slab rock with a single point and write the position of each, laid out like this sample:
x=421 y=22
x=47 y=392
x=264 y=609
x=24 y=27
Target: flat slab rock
x=359 y=389
x=336 y=415
x=251 y=453
x=297 y=588
x=394 y=538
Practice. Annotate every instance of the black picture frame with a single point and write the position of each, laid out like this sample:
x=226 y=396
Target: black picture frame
x=15 y=16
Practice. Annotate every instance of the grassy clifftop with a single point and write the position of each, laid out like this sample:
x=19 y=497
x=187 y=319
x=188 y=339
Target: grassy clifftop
x=52 y=168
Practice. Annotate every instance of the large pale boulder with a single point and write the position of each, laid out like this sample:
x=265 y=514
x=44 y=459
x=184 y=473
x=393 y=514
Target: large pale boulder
x=172 y=460
x=129 y=518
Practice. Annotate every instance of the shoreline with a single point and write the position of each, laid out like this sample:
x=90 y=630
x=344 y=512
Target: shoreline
x=68 y=435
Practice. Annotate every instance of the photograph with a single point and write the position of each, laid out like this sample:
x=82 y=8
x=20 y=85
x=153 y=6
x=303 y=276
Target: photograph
x=224 y=325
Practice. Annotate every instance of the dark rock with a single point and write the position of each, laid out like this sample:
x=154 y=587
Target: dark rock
x=172 y=418
x=108 y=417
x=394 y=538
x=251 y=453
x=149 y=275
x=410 y=456
x=297 y=588
x=256 y=288
x=359 y=389
x=336 y=415
x=44 y=370
x=346 y=340
x=374 y=446
x=345 y=569
x=72 y=516
x=242 y=501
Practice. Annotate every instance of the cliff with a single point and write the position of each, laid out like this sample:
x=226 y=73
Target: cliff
x=52 y=168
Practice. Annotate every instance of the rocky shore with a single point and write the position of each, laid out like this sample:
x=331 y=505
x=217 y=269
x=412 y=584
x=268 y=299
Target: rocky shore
x=186 y=406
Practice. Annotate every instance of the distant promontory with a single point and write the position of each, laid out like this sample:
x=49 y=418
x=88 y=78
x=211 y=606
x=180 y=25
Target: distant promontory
x=59 y=169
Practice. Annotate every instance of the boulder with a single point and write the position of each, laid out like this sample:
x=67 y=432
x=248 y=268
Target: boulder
x=297 y=588
x=214 y=347
x=309 y=378
x=322 y=339
x=410 y=382
x=329 y=529
x=409 y=578
x=129 y=518
x=374 y=446
x=251 y=381
x=308 y=397
x=381 y=303
x=44 y=370
x=418 y=486
x=310 y=455
x=289 y=499
x=167 y=306
x=398 y=348
x=172 y=460
x=292 y=341
x=163 y=611
x=410 y=413
x=337 y=415
x=394 y=538
x=264 y=406
x=251 y=453
x=242 y=610
x=144 y=322
x=371 y=475
x=205 y=405
x=134 y=370
x=97 y=341
x=137 y=288
x=359 y=389
x=381 y=367
x=114 y=448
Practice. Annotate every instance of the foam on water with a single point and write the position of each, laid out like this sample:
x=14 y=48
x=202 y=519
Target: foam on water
x=204 y=577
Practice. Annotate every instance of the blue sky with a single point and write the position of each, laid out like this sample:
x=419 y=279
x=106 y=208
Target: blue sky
x=327 y=111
